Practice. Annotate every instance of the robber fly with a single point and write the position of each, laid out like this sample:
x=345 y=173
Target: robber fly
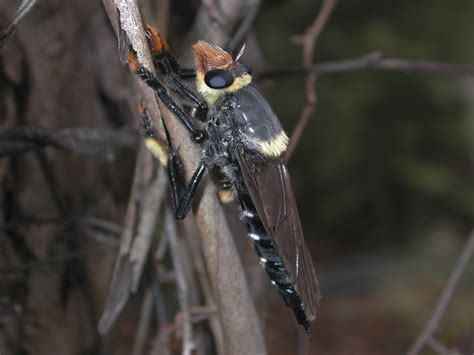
x=244 y=140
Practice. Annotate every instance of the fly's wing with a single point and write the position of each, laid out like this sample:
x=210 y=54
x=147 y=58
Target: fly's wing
x=271 y=193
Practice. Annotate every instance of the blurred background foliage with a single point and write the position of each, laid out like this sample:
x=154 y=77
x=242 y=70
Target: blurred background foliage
x=388 y=156
x=383 y=172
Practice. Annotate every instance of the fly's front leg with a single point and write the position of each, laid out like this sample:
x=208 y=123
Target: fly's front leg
x=182 y=195
x=147 y=76
x=170 y=68
x=187 y=194
x=200 y=105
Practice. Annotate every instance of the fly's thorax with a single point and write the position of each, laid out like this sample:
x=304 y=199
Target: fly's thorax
x=258 y=126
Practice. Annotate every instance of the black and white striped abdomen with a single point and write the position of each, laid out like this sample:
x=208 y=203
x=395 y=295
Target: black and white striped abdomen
x=270 y=259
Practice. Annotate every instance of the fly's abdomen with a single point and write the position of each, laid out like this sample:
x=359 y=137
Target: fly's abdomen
x=270 y=259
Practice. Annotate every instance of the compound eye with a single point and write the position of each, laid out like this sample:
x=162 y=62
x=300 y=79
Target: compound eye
x=219 y=78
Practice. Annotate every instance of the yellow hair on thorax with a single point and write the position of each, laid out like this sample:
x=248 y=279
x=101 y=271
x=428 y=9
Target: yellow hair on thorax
x=275 y=146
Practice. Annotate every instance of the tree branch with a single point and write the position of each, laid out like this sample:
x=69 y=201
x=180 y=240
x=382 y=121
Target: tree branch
x=145 y=192
x=238 y=318
x=433 y=323
x=181 y=282
x=22 y=10
x=100 y=143
x=371 y=61
x=309 y=41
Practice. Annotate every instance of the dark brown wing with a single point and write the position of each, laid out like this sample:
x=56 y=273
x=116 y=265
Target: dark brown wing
x=270 y=190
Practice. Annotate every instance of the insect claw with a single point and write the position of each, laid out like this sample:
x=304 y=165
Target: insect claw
x=155 y=40
x=132 y=61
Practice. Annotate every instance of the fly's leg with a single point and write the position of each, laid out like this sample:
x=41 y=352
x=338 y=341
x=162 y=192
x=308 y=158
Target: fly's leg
x=147 y=76
x=189 y=192
x=182 y=195
x=170 y=68
x=225 y=194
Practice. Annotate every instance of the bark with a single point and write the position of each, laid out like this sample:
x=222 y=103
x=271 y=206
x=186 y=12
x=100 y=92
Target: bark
x=59 y=73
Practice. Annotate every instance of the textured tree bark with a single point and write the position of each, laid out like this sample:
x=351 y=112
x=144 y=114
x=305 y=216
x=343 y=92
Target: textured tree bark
x=58 y=70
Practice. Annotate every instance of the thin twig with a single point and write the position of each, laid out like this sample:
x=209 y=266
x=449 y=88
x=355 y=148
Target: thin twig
x=97 y=222
x=182 y=286
x=438 y=312
x=80 y=220
x=308 y=40
x=143 y=323
x=161 y=345
x=146 y=198
x=57 y=259
x=152 y=200
x=101 y=143
x=127 y=24
x=371 y=61
x=204 y=280
x=248 y=17
x=440 y=348
x=160 y=310
x=96 y=225
x=22 y=10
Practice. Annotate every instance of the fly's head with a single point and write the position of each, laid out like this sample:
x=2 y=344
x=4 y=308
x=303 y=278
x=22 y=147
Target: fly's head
x=218 y=72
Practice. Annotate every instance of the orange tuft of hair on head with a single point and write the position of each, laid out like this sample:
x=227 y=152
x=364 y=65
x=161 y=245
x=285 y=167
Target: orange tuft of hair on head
x=208 y=57
x=132 y=61
x=156 y=40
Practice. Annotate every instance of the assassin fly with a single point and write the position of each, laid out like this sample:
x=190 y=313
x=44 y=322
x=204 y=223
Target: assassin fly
x=243 y=139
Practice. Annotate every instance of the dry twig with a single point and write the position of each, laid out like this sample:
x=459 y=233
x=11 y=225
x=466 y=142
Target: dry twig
x=438 y=312
x=22 y=10
x=139 y=221
x=143 y=323
x=100 y=143
x=309 y=41
x=146 y=198
x=182 y=287
x=248 y=17
x=372 y=61
x=440 y=348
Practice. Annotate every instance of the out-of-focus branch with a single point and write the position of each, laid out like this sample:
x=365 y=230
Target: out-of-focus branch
x=146 y=313
x=308 y=40
x=146 y=198
x=438 y=312
x=371 y=61
x=248 y=17
x=22 y=10
x=79 y=254
x=146 y=190
x=440 y=348
x=181 y=282
x=204 y=281
x=100 y=143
